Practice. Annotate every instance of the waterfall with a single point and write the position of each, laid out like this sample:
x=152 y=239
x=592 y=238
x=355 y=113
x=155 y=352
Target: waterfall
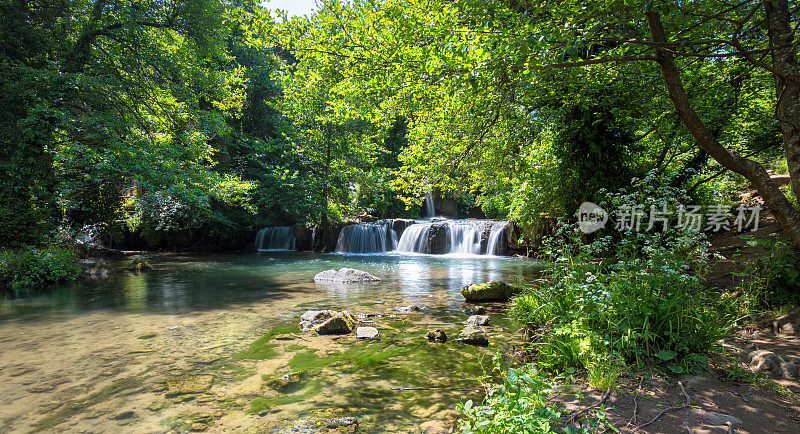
x=465 y=238
x=495 y=244
x=374 y=237
x=429 y=211
x=415 y=239
x=275 y=238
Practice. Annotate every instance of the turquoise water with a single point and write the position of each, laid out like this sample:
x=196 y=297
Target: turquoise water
x=64 y=353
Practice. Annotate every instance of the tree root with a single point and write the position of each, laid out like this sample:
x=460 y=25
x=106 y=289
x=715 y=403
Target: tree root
x=668 y=409
x=571 y=419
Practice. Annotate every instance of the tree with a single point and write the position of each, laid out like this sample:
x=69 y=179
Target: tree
x=467 y=72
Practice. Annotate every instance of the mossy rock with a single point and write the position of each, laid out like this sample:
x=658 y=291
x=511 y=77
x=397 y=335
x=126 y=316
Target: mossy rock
x=341 y=324
x=436 y=336
x=495 y=290
x=189 y=384
x=285 y=381
x=138 y=264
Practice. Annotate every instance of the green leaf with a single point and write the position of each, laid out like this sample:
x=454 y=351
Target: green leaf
x=666 y=355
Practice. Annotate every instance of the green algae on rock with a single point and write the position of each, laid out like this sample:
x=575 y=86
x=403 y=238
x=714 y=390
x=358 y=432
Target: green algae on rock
x=341 y=324
x=494 y=290
x=436 y=336
x=284 y=381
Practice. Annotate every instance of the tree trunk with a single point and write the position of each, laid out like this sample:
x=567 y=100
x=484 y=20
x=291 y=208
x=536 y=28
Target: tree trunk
x=787 y=216
x=787 y=83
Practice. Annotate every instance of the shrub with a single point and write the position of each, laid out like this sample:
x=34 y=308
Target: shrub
x=771 y=280
x=644 y=304
x=522 y=404
x=25 y=269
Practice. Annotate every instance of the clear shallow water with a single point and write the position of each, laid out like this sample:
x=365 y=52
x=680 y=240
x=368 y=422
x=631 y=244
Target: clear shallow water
x=76 y=341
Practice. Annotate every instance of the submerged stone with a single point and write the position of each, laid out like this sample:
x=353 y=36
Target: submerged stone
x=341 y=324
x=188 y=384
x=478 y=320
x=410 y=309
x=285 y=381
x=314 y=317
x=473 y=336
x=473 y=309
x=363 y=333
x=495 y=290
x=345 y=275
x=436 y=336
x=338 y=425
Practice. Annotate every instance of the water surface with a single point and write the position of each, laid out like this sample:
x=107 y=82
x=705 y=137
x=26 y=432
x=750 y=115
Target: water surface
x=95 y=355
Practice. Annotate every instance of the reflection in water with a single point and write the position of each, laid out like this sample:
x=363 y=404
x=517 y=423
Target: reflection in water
x=181 y=284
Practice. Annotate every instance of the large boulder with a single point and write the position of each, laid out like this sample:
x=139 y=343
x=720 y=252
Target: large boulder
x=341 y=324
x=345 y=275
x=489 y=291
x=315 y=317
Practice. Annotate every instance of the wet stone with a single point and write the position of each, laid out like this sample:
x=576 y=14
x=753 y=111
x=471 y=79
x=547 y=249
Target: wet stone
x=341 y=324
x=478 y=320
x=436 y=336
x=473 y=336
x=363 y=333
x=284 y=381
x=473 y=309
x=410 y=309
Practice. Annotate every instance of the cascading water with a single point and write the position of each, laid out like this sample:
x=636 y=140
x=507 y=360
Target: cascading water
x=429 y=211
x=376 y=237
x=275 y=238
x=415 y=239
x=465 y=238
x=494 y=245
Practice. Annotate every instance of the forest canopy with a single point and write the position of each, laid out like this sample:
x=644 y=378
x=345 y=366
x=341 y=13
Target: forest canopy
x=197 y=121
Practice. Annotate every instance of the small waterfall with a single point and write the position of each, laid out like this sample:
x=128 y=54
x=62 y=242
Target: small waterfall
x=465 y=238
x=495 y=243
x=275 y=238
x=429 y=211
x=374 y=237
x=415 y=239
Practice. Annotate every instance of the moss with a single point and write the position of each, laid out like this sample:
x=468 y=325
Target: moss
x=489 y=291
x=313 y=388
x=257 y=406
x=262 y=348
x=78 y=406
x=400 y=325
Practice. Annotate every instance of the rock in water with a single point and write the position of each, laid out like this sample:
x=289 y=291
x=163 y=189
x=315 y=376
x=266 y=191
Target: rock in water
x=188 y=384
x=473 y=309
x=409 y=309
x=473 y=336
x=345 y=275
x=284 y=381
x=478 y=320
x=436 y=336
x=314 y=317
x=363 y=333
x=341 y=324
x=138 y=264
x=489 y=291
